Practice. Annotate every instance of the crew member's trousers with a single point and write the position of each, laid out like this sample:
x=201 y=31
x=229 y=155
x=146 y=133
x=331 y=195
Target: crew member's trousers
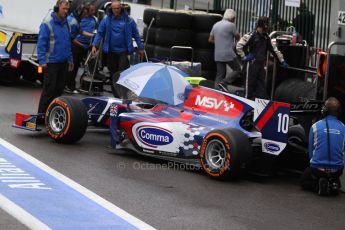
x=79 y=53
x=221 y=71
x=53 y=84
x=117 y=62
x=310 y=177
x=255 y=83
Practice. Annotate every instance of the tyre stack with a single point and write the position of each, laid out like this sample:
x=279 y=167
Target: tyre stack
x=204 y=51
x=170 y=28
x=180 y=28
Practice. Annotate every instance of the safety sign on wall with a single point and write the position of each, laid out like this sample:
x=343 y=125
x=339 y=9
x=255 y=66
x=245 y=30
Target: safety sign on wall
x=341 y=17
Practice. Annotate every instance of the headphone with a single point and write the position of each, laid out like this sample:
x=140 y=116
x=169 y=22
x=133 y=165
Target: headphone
x=56 y=7
x=324 y=111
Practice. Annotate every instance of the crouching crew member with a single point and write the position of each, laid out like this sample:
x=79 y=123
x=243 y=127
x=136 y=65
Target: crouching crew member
x=326 y=151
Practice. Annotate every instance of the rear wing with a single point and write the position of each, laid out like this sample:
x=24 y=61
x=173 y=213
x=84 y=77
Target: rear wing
x=272 y=119
x=14 y=48
x=310 y=106
x=11 y=47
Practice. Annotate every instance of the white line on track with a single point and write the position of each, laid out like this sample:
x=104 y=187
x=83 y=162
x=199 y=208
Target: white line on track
x=91 y=195
x=20 y=214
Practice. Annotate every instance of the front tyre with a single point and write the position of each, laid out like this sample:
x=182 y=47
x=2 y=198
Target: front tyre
x=223 y=152
x=66 y=120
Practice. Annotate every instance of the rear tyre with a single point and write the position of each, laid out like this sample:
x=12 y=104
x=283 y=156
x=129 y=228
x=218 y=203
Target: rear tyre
x=295 y=90
x=223 y=152
x=66 y=120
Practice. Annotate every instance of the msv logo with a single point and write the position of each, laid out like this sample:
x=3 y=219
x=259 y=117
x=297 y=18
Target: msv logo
x=213 y=103
x=154 y=136
x=272 y=147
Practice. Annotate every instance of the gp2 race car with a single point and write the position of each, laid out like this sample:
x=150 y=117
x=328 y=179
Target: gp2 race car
x=217 y=131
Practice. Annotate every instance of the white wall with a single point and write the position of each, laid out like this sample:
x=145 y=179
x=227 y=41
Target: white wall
x=24 y=15
x=27 y=15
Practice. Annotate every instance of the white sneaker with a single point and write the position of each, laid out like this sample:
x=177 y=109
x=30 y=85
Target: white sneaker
x=75 y=91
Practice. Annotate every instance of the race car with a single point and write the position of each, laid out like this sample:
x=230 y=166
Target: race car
x=218 y=131
x=14 y=63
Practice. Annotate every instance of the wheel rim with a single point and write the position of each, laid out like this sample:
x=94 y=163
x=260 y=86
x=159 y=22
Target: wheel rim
x=215 y=154
x=57 y=119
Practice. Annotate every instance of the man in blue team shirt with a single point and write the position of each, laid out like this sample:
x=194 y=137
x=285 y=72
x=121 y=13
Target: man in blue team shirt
x=87 y=27
x=54 y=53
x=79 y=48
x=117 y=28
x=326 y=149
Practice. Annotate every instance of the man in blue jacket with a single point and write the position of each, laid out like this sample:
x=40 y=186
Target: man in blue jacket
x=326 y=149
x=82 y=27
x=117 y=29
x=54 y=53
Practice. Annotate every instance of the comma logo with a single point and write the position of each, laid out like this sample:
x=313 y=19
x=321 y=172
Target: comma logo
x=154 y=136
x=272 y=147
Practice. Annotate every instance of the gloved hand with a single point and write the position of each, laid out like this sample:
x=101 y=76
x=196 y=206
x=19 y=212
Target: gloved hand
x=249 y=57
x=285 y=65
